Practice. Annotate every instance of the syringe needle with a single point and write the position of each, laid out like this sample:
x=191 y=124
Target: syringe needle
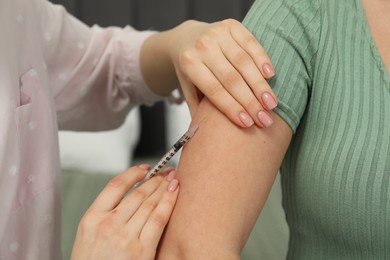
x=167 y=156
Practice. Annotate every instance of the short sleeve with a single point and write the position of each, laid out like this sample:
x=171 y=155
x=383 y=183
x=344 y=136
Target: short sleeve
x=289 y=32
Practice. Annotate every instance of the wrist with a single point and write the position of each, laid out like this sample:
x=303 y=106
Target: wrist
x=156 y=64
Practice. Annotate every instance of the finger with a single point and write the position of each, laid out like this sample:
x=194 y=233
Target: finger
x=154 y=227
x=117 y=187
x=131 y=203
x=206 y=81
x=245 y=66
x=251 y=45
x=236 y=86
x=139 y=218
x=256 y=101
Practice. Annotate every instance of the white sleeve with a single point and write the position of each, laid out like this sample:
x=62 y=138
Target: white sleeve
x=94 y=72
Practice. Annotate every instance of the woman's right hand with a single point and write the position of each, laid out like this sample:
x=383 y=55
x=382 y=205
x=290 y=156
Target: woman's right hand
x=120 y=226
x=224 y=62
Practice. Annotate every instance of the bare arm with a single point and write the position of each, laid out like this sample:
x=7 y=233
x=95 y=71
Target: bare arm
x=226 y=174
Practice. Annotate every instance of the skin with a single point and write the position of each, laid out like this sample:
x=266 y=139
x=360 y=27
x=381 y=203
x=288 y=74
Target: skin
x=222 y=61
x=377 y=14
x=208 y=168
x=224 y=168
x=127 y=227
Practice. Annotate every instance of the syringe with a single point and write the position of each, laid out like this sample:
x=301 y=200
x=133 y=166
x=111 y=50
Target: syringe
x=163 y=161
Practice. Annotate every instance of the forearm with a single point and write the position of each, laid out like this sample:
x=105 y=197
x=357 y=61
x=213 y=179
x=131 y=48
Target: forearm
x=156 y=64
x=226 y=174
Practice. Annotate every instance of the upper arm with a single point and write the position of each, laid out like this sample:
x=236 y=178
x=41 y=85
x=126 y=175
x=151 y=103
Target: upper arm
x=226 y=174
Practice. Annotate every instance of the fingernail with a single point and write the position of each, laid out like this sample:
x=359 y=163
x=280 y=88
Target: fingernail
x=268 y=70
x=269 y=100
x=265 y=119
x=171 y=176
x=144 y=166
x=173 y=185
x=246 y=119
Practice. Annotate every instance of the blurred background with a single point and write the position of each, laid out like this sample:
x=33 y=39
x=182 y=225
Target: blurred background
x=89 y=160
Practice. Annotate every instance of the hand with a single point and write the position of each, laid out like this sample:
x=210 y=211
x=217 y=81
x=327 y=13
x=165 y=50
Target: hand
x=225 y=62
x=127 y=227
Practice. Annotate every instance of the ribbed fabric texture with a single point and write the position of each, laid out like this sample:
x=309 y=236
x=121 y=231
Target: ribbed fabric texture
x=333 y=90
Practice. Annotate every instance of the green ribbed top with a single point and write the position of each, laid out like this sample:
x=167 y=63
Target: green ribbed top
x=333 y=90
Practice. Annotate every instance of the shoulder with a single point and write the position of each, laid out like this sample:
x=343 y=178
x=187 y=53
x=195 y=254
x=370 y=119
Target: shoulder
x=294 y=25
x=292 y=15
x=290 y=31
x=297 y=22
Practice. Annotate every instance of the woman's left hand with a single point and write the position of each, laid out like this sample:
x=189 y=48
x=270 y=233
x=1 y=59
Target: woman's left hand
x=117 y=226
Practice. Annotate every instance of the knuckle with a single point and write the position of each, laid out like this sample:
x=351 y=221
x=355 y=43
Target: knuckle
x=150 y=205
x=139 y=193
x=203 y=43
x=241 y=58
x=261 y=56
x=253 y=105
x=255 y=49
x=159 y=220
x=232 y=78
x=230 y=110
x=116 y=182
x=186 y=58
x=251 y=40
x=229 y=22
x=262 y=85
x=212 y=90
x=87 y=222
